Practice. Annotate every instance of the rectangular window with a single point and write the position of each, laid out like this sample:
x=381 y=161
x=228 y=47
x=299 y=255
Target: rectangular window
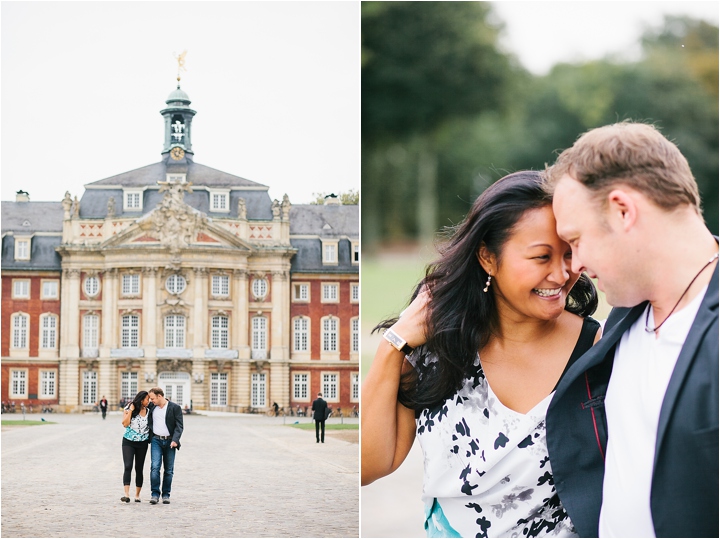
x=354 y=335
x=355 y=252
x=329 y=334
x=300 y=387
x=219 y=201
x=89 y=387
x=19 y=383
x=301 y=292
x=131 y=284
x=48 y=337
x=175 y=331
x=354 y=386
x=47 y=384
x=22 y=249
x=130 y=331
x=354 y=292
x=21 y=288
x=329 y=293
x=219 y=332
x=128 y=385
x=257 y=390
x=49 y=290
x=220 y=285
x=300 y=335
x=330 y=253
x=90 y=330
x=20 y=327
x=218 y=388
x=259 y=337
x=330 y=386
x=133 y=201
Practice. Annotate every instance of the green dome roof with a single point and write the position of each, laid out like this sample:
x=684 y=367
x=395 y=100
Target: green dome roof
x=177 y=95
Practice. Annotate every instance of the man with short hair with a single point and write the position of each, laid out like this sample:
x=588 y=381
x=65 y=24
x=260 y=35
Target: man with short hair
x=103 y=406
x=632 y=429
x=166 y=426
x=319 y=410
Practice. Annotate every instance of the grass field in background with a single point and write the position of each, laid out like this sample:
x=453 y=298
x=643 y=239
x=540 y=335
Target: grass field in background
x=387 y=281
x=328 y=426
x=26 y=423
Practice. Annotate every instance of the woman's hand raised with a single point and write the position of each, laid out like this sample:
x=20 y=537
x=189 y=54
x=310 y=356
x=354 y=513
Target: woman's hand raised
x=412 y=324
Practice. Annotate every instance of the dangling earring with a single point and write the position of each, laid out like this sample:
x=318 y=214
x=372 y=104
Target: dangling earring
x=487 y=283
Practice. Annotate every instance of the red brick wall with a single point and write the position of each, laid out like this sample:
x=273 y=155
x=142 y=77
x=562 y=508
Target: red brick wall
x=315 y=385
x=315 y=309
x=33 y=306
x=33 y=382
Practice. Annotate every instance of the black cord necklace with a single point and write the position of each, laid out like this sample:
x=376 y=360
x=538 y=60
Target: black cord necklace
x=647 y=316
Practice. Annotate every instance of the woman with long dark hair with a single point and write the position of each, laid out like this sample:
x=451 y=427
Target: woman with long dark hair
x=135 y=442
x=470 y=367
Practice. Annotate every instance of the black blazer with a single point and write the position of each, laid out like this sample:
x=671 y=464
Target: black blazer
x=319 y=408
x=684 y=492
x=173 y=420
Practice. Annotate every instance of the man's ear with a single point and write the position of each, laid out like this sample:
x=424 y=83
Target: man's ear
x=622 y=209
x=487 y=260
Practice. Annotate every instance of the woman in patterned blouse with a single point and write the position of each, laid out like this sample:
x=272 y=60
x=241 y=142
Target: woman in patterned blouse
x=135 y=442
x=491 y=329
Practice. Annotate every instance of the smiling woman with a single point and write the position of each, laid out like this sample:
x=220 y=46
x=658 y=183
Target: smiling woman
x=471 y=365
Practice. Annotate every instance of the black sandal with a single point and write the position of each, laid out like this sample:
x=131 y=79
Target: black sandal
x=138 y=500
x=125 y=499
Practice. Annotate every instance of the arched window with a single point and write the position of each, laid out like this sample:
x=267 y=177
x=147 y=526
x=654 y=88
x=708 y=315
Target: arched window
x=219 y=332
x=354 y=334
x=92 y=286
x=301 y=341
x=259 y=337
x=19 y=330
x=48 y=331
x=175 y=284
x=175 y=331
x=330 y=334
x=91 y=323
x=259 y=288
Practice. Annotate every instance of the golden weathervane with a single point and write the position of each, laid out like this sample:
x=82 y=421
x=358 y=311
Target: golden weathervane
x=181 y=63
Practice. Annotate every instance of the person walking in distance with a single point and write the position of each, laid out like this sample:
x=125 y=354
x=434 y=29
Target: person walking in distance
x=103 y=406
x=166 y=427
x=319 y=410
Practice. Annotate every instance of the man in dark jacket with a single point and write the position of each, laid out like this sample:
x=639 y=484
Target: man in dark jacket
x=319 y=410
x=165 y=420
x=632 y=429
x=103 y=406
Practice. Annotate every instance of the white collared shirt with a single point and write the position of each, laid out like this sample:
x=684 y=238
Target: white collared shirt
x=159 y=426
x=640 y=377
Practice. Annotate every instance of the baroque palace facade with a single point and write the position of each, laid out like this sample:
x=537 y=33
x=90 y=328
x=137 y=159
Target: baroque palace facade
x=182 y=276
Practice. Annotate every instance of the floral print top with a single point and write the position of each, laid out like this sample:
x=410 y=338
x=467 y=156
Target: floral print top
x=487 y=470
x=138 y=430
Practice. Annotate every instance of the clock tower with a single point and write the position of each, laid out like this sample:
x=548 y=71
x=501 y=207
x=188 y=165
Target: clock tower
x=178 y=126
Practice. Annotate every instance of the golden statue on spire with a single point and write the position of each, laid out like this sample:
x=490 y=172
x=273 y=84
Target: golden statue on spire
x=181 y=63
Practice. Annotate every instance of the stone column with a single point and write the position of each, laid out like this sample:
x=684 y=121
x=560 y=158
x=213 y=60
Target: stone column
x=199 y=390
x=200 y=316
x=69 y=384
x=149 y=334
x=278 y=343
x=279 y=386
x=240 y=385
x=109 y=313
x=70 y=320
x=239 y=328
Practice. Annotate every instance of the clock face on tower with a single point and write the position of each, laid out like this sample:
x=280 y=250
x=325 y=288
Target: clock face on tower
x=177 y=153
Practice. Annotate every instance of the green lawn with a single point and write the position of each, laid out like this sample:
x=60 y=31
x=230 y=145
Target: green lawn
x=27 y=423
x=328 y=426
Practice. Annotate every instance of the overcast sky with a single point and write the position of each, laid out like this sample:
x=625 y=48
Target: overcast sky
x=542 y=33
x=275 y=84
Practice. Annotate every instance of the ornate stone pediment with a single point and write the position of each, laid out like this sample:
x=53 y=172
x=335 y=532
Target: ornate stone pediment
x=175 y=225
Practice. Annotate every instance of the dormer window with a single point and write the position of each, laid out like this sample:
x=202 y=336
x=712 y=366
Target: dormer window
x=330 y=252
x=132 y=199
x=22 y=248
x=220 y=201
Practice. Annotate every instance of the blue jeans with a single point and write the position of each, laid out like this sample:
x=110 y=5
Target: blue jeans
x=161 y=454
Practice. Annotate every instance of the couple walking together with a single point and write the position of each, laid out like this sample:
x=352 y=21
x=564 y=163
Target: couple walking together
x=533 y=419
x=151 y=418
